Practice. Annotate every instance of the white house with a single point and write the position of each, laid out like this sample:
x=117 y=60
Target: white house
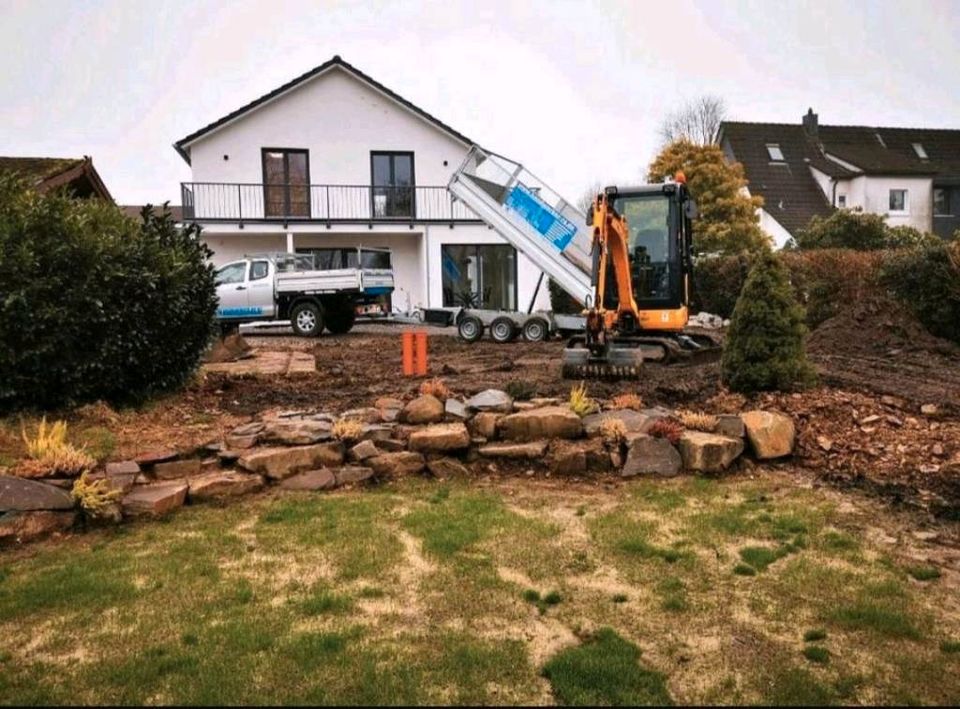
x=802 y=170
x=333 y=161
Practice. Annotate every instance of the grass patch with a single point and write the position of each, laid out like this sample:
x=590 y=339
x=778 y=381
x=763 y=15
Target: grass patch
x=531 y=596
x=760 y=558
x=744 y=570
x=924 y=572
x=814 y=635
x=877 y=618
x=950 y=647
x=552 y=598
x=796 y=687
x=371 y=592
x=817 y=654
x=673 y=595
x=834 y=542
x=620 y=598
x=324 y=602
x=605 y=671
x=460 y=523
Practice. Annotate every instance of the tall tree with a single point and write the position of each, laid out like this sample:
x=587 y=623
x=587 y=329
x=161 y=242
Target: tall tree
x=728 y=220
x=697 y=121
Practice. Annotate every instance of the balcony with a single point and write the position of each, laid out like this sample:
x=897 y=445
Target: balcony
x=358 y=204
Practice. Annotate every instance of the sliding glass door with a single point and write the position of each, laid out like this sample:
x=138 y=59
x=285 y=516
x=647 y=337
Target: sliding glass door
x=479 y=276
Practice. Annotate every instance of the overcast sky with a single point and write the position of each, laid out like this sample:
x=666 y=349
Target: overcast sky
x=575 y=90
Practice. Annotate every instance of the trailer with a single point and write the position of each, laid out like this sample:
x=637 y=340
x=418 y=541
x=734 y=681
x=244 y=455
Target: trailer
x=503 y=325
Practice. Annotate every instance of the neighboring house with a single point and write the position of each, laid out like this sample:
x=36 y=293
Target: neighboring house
x=78 y=175
x=334 y=161
x=910 y=175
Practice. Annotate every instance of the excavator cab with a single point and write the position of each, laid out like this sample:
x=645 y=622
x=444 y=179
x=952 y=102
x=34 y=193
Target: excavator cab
x=642 y=268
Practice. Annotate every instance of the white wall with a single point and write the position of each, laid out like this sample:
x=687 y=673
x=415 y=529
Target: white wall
x=232 y=246
x=771 y=227
x=920 y=200
x=339 y=120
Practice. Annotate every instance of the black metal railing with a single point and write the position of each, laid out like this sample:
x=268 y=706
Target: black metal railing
x=324 y=203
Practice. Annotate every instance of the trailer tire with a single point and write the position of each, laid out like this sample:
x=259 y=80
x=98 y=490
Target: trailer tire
x=307 y=319
x=340 y=318
x=536 y=330
x=503 y=330
x=470 y=328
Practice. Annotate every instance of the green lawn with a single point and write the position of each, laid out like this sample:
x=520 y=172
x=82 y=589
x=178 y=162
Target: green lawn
x=683 y=591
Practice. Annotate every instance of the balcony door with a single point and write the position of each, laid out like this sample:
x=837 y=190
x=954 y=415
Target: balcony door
x=286 y=182
x=392 y=185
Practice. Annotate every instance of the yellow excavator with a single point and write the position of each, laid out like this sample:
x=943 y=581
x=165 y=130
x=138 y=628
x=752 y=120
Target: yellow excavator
x=642 y=271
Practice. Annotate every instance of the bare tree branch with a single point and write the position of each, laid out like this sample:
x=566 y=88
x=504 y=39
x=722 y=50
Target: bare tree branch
x=697 y=121
x=586 y=199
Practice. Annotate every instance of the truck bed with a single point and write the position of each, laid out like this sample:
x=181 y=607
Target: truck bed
x=350 y=280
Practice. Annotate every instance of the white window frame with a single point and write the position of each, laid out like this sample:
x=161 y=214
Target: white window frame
x=771 y=147
x=906 y=203
x=842 y=201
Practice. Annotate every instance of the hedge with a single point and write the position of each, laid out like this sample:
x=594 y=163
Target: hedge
x=93 y=304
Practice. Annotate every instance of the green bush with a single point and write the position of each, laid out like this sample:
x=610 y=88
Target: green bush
x=927 y=281
x=717 y=282
x=862 y=231
x=764 y=349
x=94 y=305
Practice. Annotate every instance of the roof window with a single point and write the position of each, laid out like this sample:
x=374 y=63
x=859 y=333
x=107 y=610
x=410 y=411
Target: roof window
x=921 y=153
x=880 y=140
x=776 y=154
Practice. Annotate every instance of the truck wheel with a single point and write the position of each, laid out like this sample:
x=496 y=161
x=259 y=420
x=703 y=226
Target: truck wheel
x=503 y=330
x=535 y=330
x=470 y=328
x=341 y=318
x=307 y=320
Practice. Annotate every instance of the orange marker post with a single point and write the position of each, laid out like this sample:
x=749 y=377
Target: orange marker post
x=407 y=353
x=421 y=358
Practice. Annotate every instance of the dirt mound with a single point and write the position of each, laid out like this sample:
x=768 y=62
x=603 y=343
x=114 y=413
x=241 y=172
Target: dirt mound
x=879 y=346
x=228 y=349
x=877 y=327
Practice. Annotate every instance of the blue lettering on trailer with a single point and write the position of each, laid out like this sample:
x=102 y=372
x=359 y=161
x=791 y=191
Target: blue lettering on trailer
x=239 y=312
x=556 y=228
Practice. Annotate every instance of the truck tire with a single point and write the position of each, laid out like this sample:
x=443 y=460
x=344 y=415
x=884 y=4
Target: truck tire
x=306 y=319
x=340 y=318
x=536 y=330
x=503 y=330
x=470 y=328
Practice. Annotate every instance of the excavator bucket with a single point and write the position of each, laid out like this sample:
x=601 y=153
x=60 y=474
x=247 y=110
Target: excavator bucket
x=616 y=363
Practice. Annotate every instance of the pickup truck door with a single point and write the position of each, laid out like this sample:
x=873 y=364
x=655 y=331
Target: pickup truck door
x=232 y=290
x=260 y=288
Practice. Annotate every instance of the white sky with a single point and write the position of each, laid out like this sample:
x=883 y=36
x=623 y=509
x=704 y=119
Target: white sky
x=575 y=90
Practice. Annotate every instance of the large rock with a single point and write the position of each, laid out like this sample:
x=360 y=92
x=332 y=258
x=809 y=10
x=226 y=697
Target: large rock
x=771 y=435
x=456 y=410
x=363 y=450
x=708 y=452
x=533 y=450
x=352 y=474
x=396 y=464
x=635 y=421
x=376 y=431
x=321 y=479
x=177 y=469
x=297 y=432
x=484 y=424
x=21 y=495
x=18 y=527
x=123 y=467
x=440 y=437
x=227 y=483
x=568 y=459
x=157 y=456
x=547 y=422
x=279 y=463
x=155 y=500
x=244 y=436
x=390 y=445
x=491 y=400
x=423 y=409
x=445 y=468
x=730 y=425
x=651 y=456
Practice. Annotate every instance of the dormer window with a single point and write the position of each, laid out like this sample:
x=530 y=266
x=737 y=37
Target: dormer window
x=776 y=155
x=921 y=153
x=880 y=140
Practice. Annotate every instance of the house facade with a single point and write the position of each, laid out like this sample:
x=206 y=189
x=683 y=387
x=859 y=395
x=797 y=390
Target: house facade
x=337 y=165
x=909 y=175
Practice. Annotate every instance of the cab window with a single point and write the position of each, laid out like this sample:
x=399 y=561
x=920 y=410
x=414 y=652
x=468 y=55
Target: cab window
x=259 y=270
x=231 y=273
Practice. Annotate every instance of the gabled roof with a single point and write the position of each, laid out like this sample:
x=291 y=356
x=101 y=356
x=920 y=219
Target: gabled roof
x=48 y=173
x=182 y=145
x=790 y=193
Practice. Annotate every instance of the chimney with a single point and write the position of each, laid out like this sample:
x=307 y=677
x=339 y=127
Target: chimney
x=810 y=124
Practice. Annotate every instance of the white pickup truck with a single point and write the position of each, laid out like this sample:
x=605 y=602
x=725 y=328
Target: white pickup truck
x=287 y=287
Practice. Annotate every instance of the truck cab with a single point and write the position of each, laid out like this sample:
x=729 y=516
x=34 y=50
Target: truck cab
x=246 y=291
